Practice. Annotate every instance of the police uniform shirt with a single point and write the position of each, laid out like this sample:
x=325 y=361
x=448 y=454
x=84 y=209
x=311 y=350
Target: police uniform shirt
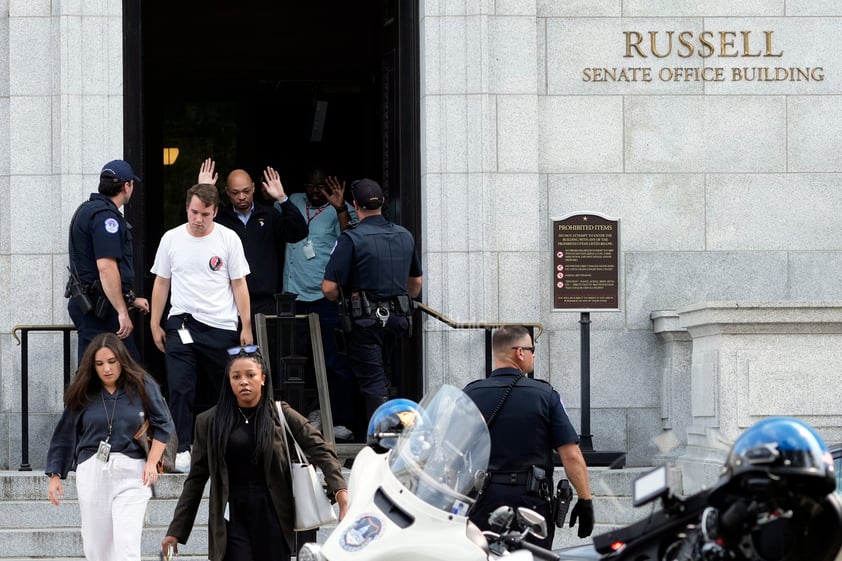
x=531 y=424
x=100 y=231
x=377 y=256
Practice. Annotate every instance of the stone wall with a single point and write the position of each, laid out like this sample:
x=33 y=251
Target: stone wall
x=61 y=117
x=726 y=189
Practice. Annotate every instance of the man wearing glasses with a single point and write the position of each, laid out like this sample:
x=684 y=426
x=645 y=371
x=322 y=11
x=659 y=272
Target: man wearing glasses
x=327 y=215
x=527 y=422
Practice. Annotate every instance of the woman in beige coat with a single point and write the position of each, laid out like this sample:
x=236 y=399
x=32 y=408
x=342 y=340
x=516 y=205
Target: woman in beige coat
x=239 y=446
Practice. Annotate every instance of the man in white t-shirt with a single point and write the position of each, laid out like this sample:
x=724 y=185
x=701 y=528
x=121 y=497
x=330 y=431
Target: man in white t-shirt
x=204 y=266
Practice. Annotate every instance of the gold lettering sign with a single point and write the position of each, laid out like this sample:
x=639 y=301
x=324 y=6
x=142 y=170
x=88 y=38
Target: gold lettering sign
x=729 y=44
x=753 y=46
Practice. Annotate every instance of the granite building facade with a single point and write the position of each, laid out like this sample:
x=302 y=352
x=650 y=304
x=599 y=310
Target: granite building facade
x=709 y=129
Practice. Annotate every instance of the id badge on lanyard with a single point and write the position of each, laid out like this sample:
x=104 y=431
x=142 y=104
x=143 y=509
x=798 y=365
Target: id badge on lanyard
x=307 y=250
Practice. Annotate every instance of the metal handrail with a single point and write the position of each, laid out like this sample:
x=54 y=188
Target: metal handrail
x=478 y=324
x=535 y=329
x=23 y=342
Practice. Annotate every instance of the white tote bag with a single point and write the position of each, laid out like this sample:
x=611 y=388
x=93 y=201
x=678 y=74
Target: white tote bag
x=312 y=507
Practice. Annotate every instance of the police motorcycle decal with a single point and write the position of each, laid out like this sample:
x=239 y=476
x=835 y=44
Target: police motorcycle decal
x=362 y=532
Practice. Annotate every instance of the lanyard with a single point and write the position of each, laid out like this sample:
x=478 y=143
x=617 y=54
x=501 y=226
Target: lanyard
x=318 y=212
x=113 y=410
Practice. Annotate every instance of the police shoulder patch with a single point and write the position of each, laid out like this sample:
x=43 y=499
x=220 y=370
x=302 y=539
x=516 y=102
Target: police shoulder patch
x=112 y=226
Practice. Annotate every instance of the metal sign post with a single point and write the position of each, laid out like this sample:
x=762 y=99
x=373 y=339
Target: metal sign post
x=585 y=277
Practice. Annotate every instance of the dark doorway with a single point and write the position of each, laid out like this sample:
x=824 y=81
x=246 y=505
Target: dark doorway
x=253 y=83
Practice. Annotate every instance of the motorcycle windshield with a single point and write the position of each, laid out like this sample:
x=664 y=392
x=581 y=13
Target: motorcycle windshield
x=444 y=453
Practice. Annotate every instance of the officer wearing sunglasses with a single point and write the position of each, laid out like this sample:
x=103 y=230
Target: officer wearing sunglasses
x=527 y=422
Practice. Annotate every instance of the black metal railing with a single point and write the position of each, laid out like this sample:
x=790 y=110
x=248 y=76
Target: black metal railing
x=592 y=458
x=23 y=341
x=535 y=329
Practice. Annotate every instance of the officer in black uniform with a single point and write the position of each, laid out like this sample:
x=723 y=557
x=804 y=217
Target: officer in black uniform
x=373 y=274
x=527 y=421
x=101 y=269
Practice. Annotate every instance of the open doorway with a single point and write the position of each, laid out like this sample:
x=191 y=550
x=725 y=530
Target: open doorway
x=253 y=83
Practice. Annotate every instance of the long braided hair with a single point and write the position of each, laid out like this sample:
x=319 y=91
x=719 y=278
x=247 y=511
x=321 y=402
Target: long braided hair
x=227 y=414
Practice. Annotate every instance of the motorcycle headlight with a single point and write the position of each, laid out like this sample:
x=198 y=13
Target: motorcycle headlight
x=310 y=552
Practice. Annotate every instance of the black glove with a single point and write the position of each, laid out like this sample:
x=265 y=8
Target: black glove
x=583 y=510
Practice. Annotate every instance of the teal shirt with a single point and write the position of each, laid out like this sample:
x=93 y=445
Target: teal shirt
x=304 y=276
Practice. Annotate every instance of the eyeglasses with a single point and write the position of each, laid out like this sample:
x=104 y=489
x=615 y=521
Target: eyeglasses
x=244 y=350
x=530 y=349
x=315 y=186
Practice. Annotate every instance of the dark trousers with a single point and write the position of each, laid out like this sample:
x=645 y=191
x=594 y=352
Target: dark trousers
x=254 y=531
x=496 y=495
x=369 y=347
x=340 y=379
x=89 y=326
x=204 y=360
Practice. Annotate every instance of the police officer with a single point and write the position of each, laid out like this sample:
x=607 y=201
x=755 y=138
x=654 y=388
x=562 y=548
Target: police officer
x=527 y=421
x=100 y=248
x=373 y=273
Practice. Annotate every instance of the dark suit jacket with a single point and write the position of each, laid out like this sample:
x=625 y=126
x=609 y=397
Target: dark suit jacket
x=208 y=463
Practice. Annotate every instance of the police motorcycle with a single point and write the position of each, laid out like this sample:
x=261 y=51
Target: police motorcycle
x=409 y=494
x=774 y=501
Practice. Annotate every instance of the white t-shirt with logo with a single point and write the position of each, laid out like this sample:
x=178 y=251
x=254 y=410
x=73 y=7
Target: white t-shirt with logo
x=200 y=272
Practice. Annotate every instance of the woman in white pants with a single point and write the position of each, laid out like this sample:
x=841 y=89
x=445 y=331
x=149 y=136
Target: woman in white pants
x=105 y=404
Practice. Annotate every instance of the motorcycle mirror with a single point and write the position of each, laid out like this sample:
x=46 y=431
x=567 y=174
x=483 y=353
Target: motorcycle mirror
x=650 y=486
x=532 y=522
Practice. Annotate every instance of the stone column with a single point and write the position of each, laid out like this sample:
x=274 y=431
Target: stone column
x=675 y=382
x=61 y=114
x=752 y=360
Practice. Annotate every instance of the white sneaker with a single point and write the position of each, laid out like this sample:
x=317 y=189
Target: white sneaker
x=341 y=432
x=182 y=462
x=315 y=418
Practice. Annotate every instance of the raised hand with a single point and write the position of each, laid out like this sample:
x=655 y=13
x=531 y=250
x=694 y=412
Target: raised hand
x=335 y=194
x=206 y=172
x=272 y=184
